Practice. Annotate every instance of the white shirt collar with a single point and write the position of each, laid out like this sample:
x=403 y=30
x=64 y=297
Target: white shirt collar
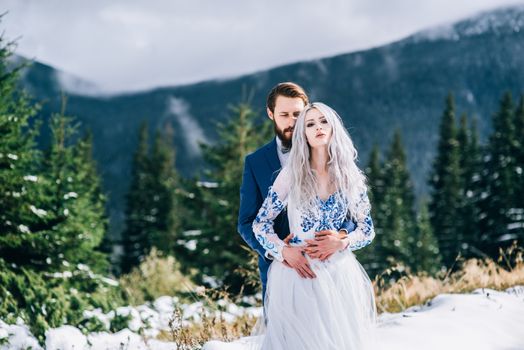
x=281 y=156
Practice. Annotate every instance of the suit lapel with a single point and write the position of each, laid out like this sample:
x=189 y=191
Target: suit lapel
x=272 y=158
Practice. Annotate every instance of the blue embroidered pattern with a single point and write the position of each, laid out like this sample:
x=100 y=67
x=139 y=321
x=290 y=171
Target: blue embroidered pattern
x=365 y=231
x=263 y=224
x=308 y=221
x=295 y=240
x=330 y=215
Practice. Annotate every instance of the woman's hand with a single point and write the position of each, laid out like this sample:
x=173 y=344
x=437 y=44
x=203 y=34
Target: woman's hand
x=325 y=244
x=294 y=258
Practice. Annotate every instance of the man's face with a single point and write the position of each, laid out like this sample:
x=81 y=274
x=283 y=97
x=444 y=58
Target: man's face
x=285 y=116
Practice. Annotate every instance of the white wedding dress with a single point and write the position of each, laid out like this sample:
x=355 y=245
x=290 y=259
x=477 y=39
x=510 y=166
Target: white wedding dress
x=334 y=311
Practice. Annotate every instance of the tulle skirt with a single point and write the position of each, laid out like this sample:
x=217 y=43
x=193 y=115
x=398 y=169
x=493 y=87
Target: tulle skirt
x=334 y=311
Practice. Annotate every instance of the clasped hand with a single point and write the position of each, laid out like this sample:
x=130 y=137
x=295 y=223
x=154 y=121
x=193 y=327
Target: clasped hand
x=325 y=244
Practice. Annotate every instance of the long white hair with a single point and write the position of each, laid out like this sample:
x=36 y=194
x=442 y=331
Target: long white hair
x=348 y=180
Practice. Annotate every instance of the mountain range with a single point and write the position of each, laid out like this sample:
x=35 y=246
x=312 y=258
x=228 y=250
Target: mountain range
x=401 y=85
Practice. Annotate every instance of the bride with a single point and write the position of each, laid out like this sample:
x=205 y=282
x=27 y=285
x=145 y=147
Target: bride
x=320 y=186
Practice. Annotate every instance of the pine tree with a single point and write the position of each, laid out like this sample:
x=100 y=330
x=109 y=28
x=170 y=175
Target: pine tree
x=152 y=217
x=473 y=189
x=164 y=181
x=397 y=211
x=54 y=224
x=375 y=177
x=20 y=181
x=217 y=201
x=463 y=146
x=47 y=219
x=91 y=184
x=498 y=204
x=446 y=184
x=425 y=252
x=72 y=201
x=518 y=151
x=470 y=157
x=370 y=257
x=138 y=202
x=51 y=221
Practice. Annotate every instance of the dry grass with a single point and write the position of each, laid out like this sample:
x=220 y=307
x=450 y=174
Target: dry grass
x=156 y=276
x=412 y=290
x=391 y=296
x=193 y=336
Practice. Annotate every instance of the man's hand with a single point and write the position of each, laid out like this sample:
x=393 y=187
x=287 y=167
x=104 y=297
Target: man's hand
x=295 y=259
x=288 y=238
x=325 y=244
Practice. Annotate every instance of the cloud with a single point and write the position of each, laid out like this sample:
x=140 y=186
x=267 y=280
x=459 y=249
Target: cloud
x=75 y=85
x=126 y=45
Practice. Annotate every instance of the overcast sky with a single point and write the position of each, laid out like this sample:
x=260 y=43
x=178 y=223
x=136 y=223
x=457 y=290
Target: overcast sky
x=126 y=45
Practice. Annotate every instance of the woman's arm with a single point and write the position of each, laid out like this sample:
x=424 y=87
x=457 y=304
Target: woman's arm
x=364 y=231
x=274 y=203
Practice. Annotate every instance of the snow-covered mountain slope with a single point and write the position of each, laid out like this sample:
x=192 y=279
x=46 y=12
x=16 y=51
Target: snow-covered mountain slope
x=505 y=20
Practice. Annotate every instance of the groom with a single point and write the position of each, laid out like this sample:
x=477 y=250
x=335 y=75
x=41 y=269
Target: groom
x=284 y=103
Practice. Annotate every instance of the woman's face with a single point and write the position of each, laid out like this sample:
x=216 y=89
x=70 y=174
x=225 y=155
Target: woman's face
x=318 y=130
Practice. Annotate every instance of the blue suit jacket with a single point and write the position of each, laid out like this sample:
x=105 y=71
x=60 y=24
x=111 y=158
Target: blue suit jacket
x=260 y=170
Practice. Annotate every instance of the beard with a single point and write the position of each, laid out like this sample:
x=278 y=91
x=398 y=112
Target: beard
x=285 y=135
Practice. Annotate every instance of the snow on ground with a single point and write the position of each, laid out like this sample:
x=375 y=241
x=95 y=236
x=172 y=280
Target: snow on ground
x=486 y=319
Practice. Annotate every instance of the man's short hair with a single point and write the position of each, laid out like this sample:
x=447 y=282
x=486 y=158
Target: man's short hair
x=287 y=89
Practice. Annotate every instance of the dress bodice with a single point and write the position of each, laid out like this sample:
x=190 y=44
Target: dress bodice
x=328 y=214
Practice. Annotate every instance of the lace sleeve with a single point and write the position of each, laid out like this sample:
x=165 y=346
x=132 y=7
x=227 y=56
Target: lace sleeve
x=364 y=231
x=274 y=203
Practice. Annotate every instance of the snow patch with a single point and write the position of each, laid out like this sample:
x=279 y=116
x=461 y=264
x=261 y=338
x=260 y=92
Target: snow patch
x=65 y=337
x=191 y=131
x=485 y=319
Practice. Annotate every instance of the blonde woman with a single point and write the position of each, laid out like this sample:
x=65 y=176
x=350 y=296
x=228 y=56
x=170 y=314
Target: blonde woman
x=320 y=186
